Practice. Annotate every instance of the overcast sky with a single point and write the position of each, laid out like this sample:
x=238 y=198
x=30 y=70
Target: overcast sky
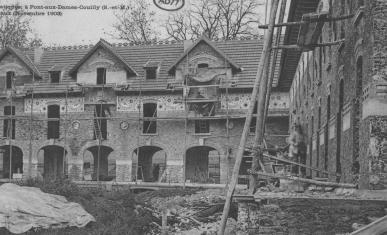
x=77 y=27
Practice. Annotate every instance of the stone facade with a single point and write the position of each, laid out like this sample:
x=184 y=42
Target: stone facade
x=347 y=82
x=78 y=149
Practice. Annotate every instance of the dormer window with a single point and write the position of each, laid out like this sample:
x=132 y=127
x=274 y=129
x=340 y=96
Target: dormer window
x=55 y=76
x=9 y=77
x=101 y=76
x=150 y=73
x=202 y=65
x=151 y=69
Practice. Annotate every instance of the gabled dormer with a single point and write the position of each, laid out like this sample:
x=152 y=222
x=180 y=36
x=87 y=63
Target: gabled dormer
x=16 y=68
x=151 y=69
x=204 y=60
x=102 y=65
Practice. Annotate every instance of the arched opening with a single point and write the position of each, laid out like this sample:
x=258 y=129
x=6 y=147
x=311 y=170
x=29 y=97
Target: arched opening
x=99 y=164
x=357 y=115
x=52 y=162
x=150 y=164
x=11 y=161
x=202 y=165
x=318 y=139
x=326 y=133
x=339 y=127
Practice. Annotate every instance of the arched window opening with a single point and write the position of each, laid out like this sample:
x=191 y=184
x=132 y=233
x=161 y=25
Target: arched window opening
x=202 y=165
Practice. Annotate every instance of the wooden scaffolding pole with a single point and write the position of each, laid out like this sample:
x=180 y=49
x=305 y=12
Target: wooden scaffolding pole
x=262 y=99
x=249 y=115
x=31 y=128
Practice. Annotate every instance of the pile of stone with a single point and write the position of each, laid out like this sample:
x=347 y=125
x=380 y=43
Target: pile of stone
x=191 y=214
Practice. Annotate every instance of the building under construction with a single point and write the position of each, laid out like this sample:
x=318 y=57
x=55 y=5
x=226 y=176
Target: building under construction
x=161 y=112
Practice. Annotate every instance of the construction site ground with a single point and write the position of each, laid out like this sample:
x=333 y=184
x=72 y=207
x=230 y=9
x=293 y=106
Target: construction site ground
x=198 y=211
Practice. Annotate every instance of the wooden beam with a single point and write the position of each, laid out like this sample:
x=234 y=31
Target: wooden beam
x=328 y=19
x=300 y=164
x=265 y=26
x=297 y=47
x=310 y=181
x=379 y=226
x=246 y=127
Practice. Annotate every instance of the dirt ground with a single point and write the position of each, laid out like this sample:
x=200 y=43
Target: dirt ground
x=190 y=211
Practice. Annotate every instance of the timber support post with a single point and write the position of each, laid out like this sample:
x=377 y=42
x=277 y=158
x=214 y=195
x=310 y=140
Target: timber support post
x=249 y=115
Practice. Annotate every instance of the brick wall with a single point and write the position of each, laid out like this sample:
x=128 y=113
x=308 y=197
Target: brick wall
x=365 y=36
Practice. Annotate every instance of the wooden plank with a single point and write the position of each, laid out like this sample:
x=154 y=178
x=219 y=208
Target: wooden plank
x=310 y=181
x=377 y=227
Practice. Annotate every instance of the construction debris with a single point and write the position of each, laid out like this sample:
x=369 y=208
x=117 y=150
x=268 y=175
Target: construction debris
x=197 y=213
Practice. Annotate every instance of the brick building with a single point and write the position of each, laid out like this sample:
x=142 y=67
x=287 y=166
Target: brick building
x=164 y=112
x=338 y=92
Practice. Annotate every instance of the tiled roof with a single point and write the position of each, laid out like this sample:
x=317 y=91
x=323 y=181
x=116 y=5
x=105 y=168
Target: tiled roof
x=23 y=57
x=206 y=40
x=244 y=53
x=105 y=45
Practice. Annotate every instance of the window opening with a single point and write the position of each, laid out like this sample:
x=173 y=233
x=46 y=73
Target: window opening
x=151 y=73
x=202 y=126
x=9 y=79
x=9 y=124
x=53 y=111
x=55 y=76
x=202 y=65
x=150 y=111
x=100 y=121
x=101 y=76
x=253 y=123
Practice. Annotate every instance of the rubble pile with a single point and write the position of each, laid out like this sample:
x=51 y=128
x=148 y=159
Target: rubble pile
x=197 y=213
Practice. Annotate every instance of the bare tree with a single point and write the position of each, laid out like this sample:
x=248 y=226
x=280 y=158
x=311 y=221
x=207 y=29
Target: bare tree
x=218 y=18
x=135 y=23
x=15 y=30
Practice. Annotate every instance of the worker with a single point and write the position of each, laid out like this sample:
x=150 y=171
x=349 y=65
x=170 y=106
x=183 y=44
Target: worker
x=297 y=149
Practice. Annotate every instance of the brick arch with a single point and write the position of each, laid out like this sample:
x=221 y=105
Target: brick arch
x=218 y=147
x=104 y=173
x=47 y=143
x=147 y=160
x=154 y=144
x=92 y=143
x=16 y=144
x=198 y=166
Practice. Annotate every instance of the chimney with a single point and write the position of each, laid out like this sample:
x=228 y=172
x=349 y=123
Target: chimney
x=187 y=44
x=38 y=53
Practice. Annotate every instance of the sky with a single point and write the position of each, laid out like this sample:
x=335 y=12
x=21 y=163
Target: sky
x=78 y=27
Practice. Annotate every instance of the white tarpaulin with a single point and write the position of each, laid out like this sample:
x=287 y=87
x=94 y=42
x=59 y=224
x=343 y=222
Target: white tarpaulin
x=23 y=208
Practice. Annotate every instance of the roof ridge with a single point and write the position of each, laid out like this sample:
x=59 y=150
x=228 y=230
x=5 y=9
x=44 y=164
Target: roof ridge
x=149 y=43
